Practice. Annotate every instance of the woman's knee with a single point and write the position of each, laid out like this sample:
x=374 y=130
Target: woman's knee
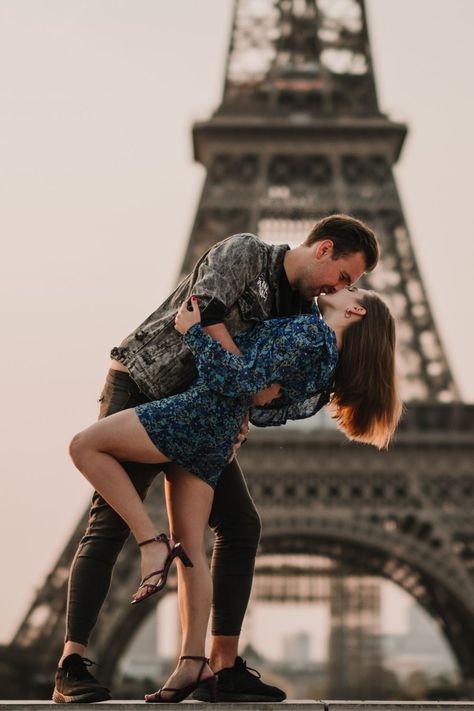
x=192 y=541
x=80 y=449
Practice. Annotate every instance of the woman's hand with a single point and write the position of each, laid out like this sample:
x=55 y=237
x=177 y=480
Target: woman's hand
x=241 y=438
x=185 y=318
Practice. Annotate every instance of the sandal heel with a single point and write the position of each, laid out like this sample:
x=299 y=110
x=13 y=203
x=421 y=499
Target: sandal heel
x=181 y=553
x=176 y=551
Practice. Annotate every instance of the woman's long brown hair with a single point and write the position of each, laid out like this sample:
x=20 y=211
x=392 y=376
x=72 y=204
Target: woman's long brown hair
x=365 y=401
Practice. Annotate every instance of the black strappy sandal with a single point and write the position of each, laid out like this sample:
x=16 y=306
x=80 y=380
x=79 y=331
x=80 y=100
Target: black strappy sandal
x=180 y=694
x=177 y=551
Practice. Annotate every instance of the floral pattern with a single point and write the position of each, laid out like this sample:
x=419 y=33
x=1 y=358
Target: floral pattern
x=197 y=428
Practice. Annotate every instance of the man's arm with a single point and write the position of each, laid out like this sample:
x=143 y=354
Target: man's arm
x=228 y=269
x=224 y=274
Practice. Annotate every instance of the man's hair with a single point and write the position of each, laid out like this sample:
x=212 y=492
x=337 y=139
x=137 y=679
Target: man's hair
x=349 y=235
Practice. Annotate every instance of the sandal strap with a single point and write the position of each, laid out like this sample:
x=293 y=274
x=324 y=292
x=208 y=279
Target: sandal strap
x=148 y=586
x=157 y=694
x=204 y=661
x=147 y=577
x=162 y=538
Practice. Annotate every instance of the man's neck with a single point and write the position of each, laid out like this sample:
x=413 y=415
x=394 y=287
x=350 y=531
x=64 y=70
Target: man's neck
x=290 y=261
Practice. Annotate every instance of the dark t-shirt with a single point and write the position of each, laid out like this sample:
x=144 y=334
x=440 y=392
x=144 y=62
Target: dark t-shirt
x=291 y=301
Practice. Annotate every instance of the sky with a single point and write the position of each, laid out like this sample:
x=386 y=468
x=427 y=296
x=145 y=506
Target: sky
x=98 y=191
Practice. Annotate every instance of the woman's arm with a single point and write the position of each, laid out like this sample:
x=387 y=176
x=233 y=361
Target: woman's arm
x=219 y=333
x=291 y=352
x=213 y=346
x=229 y=374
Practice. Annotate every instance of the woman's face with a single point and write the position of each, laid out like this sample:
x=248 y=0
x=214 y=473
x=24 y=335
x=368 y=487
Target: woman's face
x=341 y=300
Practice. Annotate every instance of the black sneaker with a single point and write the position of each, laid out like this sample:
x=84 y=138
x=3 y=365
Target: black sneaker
x=75 y=684
x=237 y=683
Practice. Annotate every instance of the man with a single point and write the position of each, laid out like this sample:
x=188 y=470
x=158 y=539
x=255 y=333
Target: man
x=239 y=282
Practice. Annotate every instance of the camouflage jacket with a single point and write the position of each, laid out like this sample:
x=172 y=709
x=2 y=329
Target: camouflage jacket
x=242 y=273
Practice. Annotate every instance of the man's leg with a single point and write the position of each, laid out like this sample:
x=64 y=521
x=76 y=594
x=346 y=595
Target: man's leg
x=236 y=525
x=92 y=567
x=95 y=559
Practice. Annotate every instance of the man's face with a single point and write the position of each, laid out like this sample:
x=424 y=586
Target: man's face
x=323 y=274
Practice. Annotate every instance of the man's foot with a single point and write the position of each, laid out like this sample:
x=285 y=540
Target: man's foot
x=75 y=684
x=238 y=683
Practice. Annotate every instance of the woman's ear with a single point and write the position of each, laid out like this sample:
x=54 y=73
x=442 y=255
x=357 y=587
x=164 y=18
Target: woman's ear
x=357 y=310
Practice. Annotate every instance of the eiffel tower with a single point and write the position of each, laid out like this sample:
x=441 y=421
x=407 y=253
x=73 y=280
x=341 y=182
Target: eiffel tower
x=299 y=135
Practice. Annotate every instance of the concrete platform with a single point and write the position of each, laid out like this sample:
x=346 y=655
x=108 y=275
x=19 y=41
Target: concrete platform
x=131 y=705
x=289 y=705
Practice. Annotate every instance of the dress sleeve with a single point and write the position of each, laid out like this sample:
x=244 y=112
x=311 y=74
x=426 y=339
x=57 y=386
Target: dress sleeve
x=229 y=374
x=290 y=351
x=274 y=416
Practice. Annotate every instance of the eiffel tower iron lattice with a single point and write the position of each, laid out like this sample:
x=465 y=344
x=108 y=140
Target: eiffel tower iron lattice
x=299 y=135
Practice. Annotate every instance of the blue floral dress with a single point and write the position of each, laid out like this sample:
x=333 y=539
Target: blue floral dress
x=197 y=428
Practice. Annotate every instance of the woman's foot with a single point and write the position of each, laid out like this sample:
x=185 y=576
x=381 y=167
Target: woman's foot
x=186 y=673
x=153 y=557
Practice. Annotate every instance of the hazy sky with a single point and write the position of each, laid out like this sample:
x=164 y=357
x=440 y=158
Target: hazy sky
x=98 y=191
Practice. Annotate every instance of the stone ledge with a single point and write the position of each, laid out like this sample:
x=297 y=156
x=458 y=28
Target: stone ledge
x=131 y=705
x=297 y=705
x=399 y=705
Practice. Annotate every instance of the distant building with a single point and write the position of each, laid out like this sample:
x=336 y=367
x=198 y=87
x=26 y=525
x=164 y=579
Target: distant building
x=141 y=659
x=421 y=647
x=355 y=651
x=296 y=650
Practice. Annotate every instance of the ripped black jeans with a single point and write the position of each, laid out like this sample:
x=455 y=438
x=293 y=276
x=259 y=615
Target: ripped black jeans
x=233 y=519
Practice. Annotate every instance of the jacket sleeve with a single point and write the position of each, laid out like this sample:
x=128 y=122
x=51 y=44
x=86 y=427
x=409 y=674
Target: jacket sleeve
x=227 y=270
x=229 y=374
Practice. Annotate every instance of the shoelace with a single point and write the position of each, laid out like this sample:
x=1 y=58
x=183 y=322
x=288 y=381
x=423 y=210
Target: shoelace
x=79 y=670
x=250 y=669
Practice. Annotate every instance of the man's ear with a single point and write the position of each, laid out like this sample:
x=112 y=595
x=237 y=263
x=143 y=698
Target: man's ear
x=324 y=248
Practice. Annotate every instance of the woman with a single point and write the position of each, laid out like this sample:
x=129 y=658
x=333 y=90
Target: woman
x=351 y=351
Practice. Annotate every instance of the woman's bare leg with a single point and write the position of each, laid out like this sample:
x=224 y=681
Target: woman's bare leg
x=97 y=452
x=188 y=503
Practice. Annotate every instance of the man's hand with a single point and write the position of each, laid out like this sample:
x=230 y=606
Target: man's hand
x=185 y=318
x=241 y=438
x=264 y=397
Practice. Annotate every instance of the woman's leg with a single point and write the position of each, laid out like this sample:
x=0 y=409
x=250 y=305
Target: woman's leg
x=188 y=503
x=97 y=452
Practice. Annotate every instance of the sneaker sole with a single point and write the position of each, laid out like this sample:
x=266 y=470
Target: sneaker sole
x=230 y=697
x=87 y=698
